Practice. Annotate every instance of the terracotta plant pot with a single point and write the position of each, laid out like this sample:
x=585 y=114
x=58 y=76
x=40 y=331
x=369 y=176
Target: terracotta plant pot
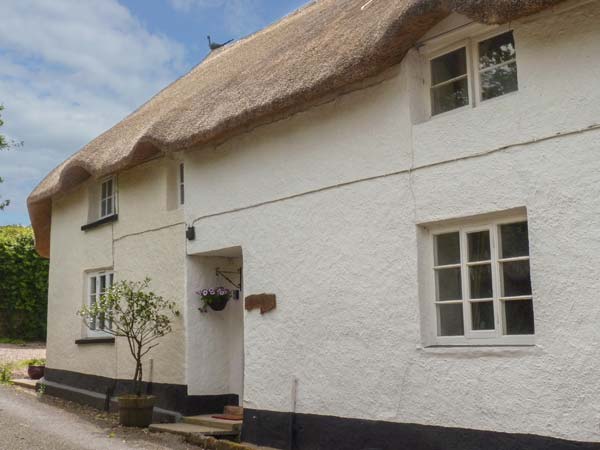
x=35 y=372
x=136 y=411
x=219 y=304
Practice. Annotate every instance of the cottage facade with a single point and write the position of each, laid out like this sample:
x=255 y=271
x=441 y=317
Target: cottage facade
x=429 y=232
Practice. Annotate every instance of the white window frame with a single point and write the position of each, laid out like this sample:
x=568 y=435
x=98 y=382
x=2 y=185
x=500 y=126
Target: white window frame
x=103 y=199
x=92 y=294
x=471 y=45
x=472 y=337
x=181 y=184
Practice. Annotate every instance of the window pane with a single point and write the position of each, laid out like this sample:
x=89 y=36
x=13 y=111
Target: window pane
x=449 y=96
x=482 y=315
x=499 y=81
x=497 y=50
x=181 y=179
x=103 y=208
x=448 y=66
x=93 y=300
x=480 y=281
x=519 y=317
x=448 y=284
x=447 y=249
x=516 y=278
x=479 y=246
x=104 y=194
x=450 y=320
x=109 y=206
x=515 y=240
x=92 y=285
x=109 y=188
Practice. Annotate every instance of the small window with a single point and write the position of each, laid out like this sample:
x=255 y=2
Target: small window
x=108 y=198
x=482 y=281
x=98 y=284
x=449 y=81
x=181 y=185
x=497 y=66
x=494 y=61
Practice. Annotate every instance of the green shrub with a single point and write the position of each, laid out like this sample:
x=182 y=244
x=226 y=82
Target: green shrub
x=23 y=285
x=6 y=374
x=4 y=340
x=34 y=362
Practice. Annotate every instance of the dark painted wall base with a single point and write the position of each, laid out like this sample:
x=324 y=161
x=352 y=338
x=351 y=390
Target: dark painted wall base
x=97 y=391
x=314 y=432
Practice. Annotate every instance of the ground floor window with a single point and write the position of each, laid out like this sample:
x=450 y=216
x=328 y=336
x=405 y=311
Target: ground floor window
x=98 y=283
x=482 y=282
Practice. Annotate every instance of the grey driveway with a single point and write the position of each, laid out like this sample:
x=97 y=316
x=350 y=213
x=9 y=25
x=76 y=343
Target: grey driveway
x=27 y=423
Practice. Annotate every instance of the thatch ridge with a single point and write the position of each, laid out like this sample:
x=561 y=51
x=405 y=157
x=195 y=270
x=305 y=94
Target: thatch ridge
x=319 y=50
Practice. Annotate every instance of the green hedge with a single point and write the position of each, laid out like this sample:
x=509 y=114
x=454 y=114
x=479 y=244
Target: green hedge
x=23 y=286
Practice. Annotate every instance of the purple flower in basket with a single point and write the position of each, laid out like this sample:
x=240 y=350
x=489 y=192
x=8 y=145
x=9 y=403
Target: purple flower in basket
x=204 y=292
x=211 y=291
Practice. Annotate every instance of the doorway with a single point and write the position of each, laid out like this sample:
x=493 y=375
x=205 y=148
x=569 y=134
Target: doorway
x=215 y=339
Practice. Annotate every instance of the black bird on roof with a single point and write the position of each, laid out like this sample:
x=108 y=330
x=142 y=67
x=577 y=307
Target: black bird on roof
x=215 y=45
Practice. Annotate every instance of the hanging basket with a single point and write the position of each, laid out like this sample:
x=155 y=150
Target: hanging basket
x=218 y=304
x=215 y=299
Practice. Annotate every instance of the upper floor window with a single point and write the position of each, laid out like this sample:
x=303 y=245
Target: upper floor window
x=473 y=73
x=482 y=283
x=108 y=198
x=98 y=284
x=181 y=185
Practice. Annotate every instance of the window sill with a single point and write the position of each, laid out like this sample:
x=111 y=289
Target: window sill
x=470 y=351
x=95 y=340
x=97 y=223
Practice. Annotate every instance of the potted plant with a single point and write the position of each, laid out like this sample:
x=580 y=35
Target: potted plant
x=141 y=317
x=215 y=298
x=35 y=368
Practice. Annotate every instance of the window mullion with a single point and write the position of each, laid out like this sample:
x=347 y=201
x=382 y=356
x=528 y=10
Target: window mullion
x=451 y=80
x=495 y=66
x=473 y=75
x=495 y=252
x=464 y=278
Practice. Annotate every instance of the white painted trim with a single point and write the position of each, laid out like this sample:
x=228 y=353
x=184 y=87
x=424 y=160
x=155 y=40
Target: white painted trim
x=467 y=36
x=88 y=289
x=488 y=223
x=113 y=196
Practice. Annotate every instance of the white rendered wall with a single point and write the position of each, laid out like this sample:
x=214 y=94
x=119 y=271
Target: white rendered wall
x=340 y=251
x=147 y=240
x=215 y=339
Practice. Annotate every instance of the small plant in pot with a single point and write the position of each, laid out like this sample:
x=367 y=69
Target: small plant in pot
x=35 y=368
x=141 y=317
x=215 y=298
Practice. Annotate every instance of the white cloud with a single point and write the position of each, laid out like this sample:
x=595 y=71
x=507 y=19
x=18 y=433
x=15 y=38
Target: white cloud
x=69 y=70
x=188 y=5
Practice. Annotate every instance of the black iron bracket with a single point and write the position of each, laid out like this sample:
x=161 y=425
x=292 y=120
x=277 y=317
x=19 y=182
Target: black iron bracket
x=225 y=273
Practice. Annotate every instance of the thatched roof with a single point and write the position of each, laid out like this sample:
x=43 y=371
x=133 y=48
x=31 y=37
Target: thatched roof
x=319 y=50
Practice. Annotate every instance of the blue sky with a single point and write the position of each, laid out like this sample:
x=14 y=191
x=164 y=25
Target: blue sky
x=70 y=69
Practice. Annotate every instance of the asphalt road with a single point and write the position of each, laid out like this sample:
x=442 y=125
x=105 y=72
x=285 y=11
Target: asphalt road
x=27 y=423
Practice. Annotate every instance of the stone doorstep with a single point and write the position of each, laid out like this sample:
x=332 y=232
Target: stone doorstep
x=25 y=383
x=234 y=410
x=209 y=421
x=186 y=429
x=210 y=443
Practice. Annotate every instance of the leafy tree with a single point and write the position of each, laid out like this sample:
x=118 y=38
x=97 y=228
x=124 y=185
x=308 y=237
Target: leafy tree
x=23 y=285
x=5 y=145
x=128 y=310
